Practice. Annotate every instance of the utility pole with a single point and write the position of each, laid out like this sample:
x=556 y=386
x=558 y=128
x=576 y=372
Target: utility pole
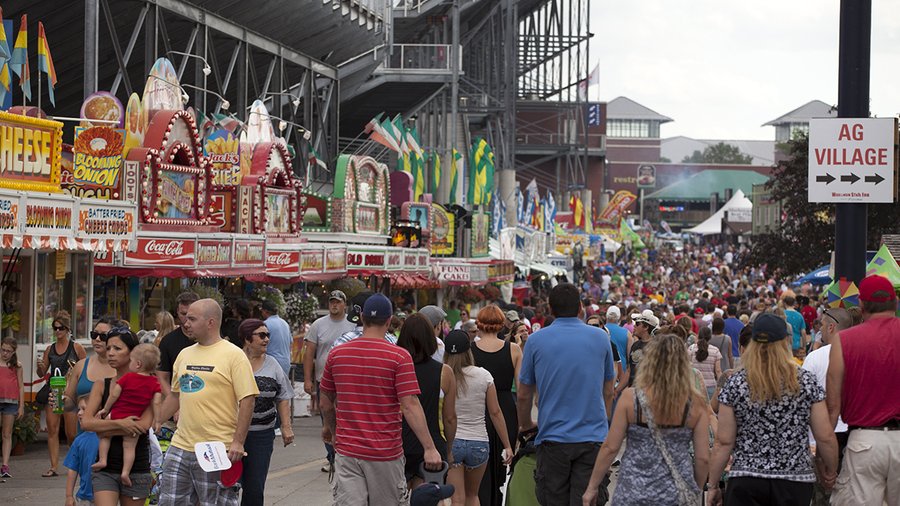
x=851 y=220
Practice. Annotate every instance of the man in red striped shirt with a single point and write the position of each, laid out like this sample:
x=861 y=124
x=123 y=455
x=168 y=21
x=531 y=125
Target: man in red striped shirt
x=366 y=385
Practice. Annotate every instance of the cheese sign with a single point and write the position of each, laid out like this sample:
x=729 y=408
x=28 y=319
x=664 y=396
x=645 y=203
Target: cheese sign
x=29 y=153
x=852 y=160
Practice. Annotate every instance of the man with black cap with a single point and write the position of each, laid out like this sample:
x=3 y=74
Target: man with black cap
x=319 y=339
x=367 y=384
x=280 y=337
x=863 y=390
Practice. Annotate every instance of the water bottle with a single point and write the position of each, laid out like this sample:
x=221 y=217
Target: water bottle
x=58 y=385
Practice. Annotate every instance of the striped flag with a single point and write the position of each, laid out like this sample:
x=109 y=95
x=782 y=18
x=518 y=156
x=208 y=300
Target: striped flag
x=5 y=81
x=436 y=176
x=19 y=59
x=457 y=167
x=45 y=62
x=375 y=129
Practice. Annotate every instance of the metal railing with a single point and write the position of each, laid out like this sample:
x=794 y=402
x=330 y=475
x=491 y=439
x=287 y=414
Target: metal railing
x=560 y=139
x=421 y=58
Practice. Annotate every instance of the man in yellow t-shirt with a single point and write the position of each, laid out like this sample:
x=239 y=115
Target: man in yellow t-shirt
x=214 y=390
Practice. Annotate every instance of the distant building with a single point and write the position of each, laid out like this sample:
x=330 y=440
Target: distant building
x=797 y=121
x=767 y=213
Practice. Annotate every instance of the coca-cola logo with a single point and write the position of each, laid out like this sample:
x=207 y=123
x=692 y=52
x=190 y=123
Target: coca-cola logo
x=164 y=248
x=282 y=259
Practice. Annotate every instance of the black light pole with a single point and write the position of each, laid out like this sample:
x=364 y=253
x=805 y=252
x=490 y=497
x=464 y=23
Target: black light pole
x=851 y=220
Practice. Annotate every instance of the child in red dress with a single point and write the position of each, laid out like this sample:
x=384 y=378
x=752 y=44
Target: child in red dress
x=130 y=396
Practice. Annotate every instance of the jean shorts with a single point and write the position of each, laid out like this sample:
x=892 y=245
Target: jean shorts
x=7 y=408
x=470 y=453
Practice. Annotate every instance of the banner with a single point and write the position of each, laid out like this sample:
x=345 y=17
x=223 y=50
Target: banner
x=615 y=210
x=443 y=232
x=97 y=160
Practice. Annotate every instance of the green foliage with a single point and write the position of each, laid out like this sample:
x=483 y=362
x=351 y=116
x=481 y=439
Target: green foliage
x=719 y=153
x=665 y=159
x=26 y=429
x=806 y=237
x=300 y=308
x=270 y=293
x=208 y=292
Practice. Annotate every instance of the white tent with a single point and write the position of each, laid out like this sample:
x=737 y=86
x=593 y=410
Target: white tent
x=713 y=224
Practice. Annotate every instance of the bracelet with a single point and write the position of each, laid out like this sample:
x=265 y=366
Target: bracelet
x=712 y=487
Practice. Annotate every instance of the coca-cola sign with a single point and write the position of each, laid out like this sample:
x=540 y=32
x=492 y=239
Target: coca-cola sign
x=163 y=252
x=282 y=262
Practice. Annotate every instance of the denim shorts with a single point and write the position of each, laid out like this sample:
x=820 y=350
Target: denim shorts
x=7 y=408
x=471 y=453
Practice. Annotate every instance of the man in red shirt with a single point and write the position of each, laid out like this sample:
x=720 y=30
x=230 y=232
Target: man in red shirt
x=862 y=388
x=366 y=385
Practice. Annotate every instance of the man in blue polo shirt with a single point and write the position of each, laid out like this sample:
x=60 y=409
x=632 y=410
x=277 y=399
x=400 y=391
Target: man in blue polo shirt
x=733 y=328
x=565 y=363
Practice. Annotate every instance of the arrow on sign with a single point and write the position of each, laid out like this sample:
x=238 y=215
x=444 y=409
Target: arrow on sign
x=877 y=178
x=827 y=178
x=852 y=178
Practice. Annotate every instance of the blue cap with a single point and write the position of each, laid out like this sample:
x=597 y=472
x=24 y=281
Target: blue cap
x=377 y=307
x=769 y=328
x=430 y=494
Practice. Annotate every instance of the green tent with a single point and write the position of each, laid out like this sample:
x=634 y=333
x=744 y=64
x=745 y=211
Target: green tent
x=883 y=264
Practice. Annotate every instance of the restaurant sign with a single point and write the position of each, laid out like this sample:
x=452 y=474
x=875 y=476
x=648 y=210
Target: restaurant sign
x=30 y=150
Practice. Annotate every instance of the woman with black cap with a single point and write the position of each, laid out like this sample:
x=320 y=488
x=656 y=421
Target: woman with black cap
x=765 y=411
x=475 y=391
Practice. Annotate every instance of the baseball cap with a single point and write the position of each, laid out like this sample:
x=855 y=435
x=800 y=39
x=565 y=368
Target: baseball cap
x=613 y=312
x=457 y=341
x=646 y=316
x=512 y=315
x=699 y=311
x=337 y=295
x=768 y=328
x=356 y=306
x=434 y=314
x=870 y=287
x=378 y=306
x=430 y=494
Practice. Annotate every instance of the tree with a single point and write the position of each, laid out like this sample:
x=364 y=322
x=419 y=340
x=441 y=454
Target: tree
x=806 y=237
x=719 y=153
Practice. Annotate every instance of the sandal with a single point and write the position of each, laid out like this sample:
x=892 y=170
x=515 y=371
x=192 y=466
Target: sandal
x=50 y=474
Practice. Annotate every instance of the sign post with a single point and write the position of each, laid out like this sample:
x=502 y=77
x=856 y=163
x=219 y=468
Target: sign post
x=853 y=102
x=646 y=178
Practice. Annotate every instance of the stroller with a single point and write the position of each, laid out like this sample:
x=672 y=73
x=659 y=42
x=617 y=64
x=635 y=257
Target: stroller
x=520 y=488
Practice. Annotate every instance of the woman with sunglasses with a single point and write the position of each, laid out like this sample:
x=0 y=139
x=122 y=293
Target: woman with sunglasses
x=272 y=404
x=57 y=360
x=106 y=482
x=88 y=371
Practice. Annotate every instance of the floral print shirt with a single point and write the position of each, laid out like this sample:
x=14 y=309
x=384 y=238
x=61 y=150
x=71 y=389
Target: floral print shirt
x=772 y=440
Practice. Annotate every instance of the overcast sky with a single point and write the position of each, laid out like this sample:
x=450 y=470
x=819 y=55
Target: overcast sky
x=721 y=69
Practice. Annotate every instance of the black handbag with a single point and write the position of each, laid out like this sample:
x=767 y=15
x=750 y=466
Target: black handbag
x=43 y=396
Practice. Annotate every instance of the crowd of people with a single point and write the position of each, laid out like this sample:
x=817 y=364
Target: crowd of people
x=690 y=374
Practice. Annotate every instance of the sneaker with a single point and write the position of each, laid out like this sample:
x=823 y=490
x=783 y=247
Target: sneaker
x=4 y=472
x=328 y=468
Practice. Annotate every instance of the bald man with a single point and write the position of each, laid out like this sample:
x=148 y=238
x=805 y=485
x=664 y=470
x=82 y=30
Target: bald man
x=214 y=389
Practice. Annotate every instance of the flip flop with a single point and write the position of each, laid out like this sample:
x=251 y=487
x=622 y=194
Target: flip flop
x=50 y=474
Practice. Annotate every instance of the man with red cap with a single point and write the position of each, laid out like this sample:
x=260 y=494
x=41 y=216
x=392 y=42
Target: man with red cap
x=862 y=388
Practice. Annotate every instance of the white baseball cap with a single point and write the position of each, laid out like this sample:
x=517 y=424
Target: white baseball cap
x=613 y=312
x=647 y=317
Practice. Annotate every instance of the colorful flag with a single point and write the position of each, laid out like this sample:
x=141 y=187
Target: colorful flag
x=520 y=206
x=315 y=160
x=5 y=80
x=418 y=168
x=436 y=175
x=375 y=130
x=19 y=59
x=455 y=170
x=577 y=208
x=883 y=264
x=498 y=216
x=45 y=62
x=627 y=234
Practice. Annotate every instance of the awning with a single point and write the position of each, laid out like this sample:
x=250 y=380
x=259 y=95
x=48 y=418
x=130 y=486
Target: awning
x=548 y=269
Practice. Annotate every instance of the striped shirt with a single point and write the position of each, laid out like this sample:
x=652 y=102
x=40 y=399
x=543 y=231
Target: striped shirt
x=369 y=376
x=346 y=337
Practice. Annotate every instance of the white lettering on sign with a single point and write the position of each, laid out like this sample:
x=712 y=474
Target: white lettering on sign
x=280 y=259
x=164 y=248
x=852 y=160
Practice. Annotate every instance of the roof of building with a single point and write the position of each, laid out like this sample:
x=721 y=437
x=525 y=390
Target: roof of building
x=677 y=148
x=806 y=112
x=625 y=108
x=701 y=185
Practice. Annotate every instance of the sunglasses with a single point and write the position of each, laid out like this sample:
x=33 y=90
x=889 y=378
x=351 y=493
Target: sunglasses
x=262 y=335
x=58 y=328
x=113 y=332
x=594 y=324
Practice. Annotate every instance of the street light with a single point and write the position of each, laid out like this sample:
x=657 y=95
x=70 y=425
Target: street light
x=283 y=124
x=294 y=100
x=206 y=68
x=225 y=103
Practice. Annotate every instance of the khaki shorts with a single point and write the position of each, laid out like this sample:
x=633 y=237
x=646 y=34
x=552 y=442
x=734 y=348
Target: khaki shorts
x=360 y=482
